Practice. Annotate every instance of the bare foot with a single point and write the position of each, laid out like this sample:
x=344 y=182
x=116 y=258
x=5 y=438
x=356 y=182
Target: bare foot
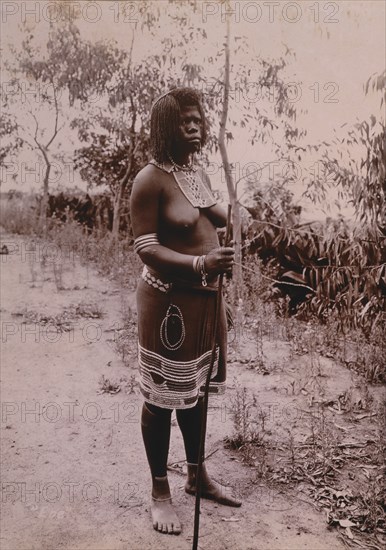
x=210 y=489
x=164 y=517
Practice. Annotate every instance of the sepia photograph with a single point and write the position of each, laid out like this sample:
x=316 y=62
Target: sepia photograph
x=193 y=275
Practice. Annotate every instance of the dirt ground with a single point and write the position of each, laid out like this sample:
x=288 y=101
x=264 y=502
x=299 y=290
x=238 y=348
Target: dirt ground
x=74 y=474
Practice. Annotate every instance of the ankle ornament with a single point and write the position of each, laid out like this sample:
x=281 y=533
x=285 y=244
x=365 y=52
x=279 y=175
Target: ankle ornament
x=161 y=499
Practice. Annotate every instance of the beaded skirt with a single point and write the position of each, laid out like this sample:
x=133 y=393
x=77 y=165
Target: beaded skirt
x=175 y=330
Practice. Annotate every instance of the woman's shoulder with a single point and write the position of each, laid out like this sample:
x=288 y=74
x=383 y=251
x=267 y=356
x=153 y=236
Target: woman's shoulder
x=148 y=180
x=147 y=171
x=154 y=169
x=146 y=175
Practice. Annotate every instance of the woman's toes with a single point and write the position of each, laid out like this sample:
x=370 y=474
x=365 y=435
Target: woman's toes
x=176 y=529
x=165 y=519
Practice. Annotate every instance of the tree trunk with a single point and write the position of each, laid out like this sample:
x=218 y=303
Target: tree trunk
x=117 y=211
x=44 y=203
x=236 y=218
x=118 y=201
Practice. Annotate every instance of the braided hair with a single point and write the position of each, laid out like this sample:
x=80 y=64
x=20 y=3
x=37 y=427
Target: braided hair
x=165 y=120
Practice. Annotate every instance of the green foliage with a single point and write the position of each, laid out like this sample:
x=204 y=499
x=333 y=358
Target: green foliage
x=337 y=269
x=104 y=161
x=10 y=141
x=366 y=183
x=363 y=182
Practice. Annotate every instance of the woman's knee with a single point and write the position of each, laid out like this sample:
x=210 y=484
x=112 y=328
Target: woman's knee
x=150 y=410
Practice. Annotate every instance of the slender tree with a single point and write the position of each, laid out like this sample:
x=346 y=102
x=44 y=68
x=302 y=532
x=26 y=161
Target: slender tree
x=50 y=79
x=232 y=191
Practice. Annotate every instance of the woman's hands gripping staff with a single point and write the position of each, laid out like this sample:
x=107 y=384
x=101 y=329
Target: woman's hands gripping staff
x=219 y=260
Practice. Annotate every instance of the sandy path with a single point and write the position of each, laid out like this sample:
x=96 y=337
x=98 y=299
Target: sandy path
x=74 y=474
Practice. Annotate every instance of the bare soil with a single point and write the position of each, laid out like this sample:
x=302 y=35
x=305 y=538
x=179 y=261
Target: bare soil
x=74 y=473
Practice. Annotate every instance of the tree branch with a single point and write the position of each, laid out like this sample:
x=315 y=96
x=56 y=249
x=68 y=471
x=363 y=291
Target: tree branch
x=56 y=115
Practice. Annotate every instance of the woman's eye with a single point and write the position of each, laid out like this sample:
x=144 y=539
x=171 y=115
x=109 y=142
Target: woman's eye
x=196 y=121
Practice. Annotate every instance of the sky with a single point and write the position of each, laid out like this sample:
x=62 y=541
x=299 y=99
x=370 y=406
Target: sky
x=337 y=45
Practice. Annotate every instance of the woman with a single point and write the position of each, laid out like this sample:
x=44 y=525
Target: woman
x=174 y=218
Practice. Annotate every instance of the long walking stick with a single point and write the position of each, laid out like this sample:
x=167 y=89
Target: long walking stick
x=206 y=393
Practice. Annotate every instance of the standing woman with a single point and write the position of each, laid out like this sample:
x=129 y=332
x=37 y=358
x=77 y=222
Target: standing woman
x=174 y=218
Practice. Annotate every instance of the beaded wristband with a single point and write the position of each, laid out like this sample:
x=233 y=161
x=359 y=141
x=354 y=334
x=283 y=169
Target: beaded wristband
x=195 y=264
x=203 y=273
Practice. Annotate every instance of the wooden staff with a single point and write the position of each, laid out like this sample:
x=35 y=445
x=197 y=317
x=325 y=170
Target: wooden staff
x=206 y=393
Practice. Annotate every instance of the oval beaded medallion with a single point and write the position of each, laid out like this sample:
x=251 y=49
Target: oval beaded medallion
x=172 y=318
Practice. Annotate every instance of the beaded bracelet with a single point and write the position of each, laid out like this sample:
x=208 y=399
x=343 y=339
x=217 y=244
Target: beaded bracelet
x=199 y=268
x=202 y=271
x=195 y=262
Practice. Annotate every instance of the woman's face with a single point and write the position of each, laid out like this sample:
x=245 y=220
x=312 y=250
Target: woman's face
x=190 y=129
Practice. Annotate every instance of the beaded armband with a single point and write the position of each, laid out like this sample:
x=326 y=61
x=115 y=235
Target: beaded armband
x=144 y=241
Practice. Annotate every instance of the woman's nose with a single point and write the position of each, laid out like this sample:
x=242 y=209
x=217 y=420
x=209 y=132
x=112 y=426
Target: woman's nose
x=193 y=128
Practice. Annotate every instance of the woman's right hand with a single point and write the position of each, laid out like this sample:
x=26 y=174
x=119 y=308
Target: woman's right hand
x=220 y=260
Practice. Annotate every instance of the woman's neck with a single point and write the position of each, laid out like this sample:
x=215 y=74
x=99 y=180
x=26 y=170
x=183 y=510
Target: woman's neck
x=180 y=158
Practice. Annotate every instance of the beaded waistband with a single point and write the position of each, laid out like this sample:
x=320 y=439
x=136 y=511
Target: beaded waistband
x=163 y=286
x=154 y=281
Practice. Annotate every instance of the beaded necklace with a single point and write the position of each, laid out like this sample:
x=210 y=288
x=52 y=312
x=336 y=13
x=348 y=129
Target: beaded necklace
x=191 y=184
x=182 y=167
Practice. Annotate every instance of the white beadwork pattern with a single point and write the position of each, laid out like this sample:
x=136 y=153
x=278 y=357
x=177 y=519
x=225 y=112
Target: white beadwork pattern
x=194 y=189
x=179 y=383
x=190 y=183
x=164 y=328
x=154 y=281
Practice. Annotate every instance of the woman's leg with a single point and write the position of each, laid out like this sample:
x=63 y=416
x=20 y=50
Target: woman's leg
x=155 y=424
x=189 y=421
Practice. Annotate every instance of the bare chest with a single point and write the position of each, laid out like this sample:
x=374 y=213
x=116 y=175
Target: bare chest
x=175 y=209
